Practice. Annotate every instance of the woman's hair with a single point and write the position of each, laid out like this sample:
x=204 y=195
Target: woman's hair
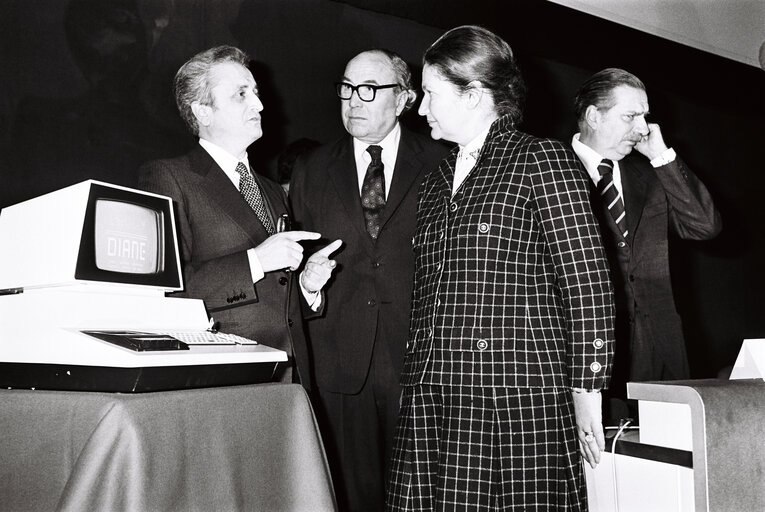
x=470 y=53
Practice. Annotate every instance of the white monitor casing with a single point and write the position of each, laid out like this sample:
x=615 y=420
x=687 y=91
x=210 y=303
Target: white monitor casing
x=44 y=306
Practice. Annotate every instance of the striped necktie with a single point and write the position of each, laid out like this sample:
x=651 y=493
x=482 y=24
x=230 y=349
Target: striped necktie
x=250 y=190
x=611 y=197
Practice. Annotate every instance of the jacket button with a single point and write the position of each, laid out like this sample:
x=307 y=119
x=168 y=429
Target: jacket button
x=482 y=344
x=597 y=343
x=596 y=367
x=283 y=280
x=483 y=227
x=375 y=264
x=372 y=303
x=453 y=207
x=621 y=245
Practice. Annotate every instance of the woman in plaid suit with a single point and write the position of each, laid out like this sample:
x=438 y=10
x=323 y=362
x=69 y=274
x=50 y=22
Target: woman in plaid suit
x=511 y=331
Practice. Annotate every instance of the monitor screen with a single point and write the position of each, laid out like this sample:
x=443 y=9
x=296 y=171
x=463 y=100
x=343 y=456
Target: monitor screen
x=128 y=237
x=90 y=233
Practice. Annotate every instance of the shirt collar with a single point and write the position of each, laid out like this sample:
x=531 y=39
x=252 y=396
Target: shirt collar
x=472 y=147
x=223 y=158
x=589 y=157
x=389 y=147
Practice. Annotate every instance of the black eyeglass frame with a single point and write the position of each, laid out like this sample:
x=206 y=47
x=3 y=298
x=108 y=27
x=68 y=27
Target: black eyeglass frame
x=355 y=88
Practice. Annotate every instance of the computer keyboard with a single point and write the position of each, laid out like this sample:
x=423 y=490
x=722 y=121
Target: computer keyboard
x=166 y=340
x=208 y=338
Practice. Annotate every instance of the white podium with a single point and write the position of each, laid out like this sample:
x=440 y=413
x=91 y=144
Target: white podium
x=700 y=448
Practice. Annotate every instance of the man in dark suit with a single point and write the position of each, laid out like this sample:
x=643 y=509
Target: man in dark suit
x=358 y=344
x=233 y=257
x=651 y=194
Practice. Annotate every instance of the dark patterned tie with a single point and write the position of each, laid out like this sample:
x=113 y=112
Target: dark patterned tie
x=611 y=197
x=250 y=190
x=373 y=192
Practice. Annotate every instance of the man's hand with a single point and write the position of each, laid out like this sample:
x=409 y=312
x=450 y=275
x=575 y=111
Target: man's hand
x=652 y=145
x=282 y=250
x=589 y=425
x=318 y=268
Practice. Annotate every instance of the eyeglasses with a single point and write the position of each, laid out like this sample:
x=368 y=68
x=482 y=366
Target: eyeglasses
x=365 y=92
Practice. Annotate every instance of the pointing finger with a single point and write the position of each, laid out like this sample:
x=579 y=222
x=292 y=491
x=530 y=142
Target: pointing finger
x=296 y=236
x=329 y=248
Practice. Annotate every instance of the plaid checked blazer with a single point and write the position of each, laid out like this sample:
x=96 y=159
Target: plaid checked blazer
x=511 y=285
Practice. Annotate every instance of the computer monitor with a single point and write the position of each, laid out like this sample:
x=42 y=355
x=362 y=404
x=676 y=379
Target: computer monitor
x=91 y=233
x=84 y=273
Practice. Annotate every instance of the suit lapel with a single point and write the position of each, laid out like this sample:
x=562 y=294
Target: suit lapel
x=342 y=172
x=407 y=168
x=634 y=189
x=228 y=198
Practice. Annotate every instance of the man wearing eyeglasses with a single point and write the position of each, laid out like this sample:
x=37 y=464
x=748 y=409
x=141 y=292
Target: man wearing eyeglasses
x=362 y=189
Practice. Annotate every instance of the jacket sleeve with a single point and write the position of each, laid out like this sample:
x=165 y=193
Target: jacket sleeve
x=299 y=214
x=561 y=199
x=692 y=213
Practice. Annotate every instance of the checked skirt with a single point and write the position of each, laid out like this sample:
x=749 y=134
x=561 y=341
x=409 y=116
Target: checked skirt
x=485 y=449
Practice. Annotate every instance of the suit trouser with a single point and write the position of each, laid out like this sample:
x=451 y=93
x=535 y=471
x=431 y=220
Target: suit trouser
x=358 y=435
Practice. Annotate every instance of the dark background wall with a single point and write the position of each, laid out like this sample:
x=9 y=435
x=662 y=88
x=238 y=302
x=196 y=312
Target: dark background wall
x=86 y=93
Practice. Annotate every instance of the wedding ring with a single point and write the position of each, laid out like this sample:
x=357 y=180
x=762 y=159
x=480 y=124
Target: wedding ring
x=588 y=437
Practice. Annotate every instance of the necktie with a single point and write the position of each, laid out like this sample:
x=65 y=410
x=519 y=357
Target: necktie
x=250 y=190
x=373 y=192
x=610 y=195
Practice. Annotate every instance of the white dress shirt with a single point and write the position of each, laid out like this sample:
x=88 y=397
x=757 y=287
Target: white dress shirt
x=389 y=153
x=466 y=159
x=591 y=160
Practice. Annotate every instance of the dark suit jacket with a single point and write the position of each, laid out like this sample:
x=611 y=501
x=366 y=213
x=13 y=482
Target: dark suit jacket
x=657 y=201
x=216 y=227
x=367 y=302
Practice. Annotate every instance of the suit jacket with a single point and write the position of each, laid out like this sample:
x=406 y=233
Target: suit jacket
x=657 y=201
x=216 y=228
x=367 y=301
x=511 y=285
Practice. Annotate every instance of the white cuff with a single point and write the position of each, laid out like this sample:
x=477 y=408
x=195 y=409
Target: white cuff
x=582 y=390
x=663 y=159
x=313 y=299
x=256 y=269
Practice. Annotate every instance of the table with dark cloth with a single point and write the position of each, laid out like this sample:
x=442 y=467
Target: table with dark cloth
x=213 y=449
